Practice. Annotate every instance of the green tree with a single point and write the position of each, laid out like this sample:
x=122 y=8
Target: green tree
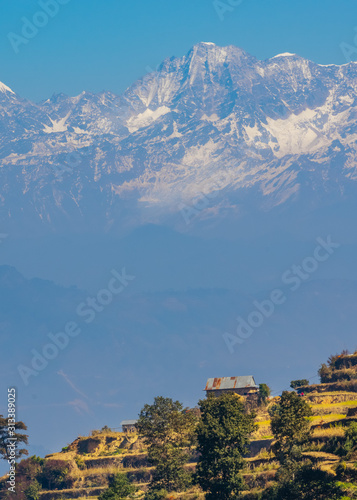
x=264 y=393
x=295 y=384
x=119 y=488
x=168 y=431
x=325 y=373
x=7 y=437
x=303 y=482
x=290 y=425
x=223 y=437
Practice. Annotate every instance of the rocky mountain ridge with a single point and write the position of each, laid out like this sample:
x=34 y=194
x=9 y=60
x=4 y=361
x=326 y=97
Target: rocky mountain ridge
x=216 y=122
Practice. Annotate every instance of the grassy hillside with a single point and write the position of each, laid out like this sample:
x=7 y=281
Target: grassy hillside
x=89 y=461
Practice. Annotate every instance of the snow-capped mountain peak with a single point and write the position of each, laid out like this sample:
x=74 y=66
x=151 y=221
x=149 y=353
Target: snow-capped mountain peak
x=284 y=54
x=280 y=127
x=4 y=88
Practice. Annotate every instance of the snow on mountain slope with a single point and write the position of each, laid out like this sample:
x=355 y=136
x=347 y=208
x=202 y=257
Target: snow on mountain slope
x=216 y=120
x=4 y=88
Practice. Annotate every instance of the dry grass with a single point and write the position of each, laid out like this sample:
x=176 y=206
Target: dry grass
x=320 y=455
x=95 y=471
x=263 y=432
x=66 y=492
x=334 y=401
x=330 y=432
x=349 y=404
x=84 y=498
x=327 y=418
x=61 y=455
x=331 y=393
x=273 y=465
x=263 y=422
x=192 y=494
x=256 y=491
x=263 y=454
x=104 y=471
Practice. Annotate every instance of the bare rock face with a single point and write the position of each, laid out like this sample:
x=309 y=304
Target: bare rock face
x=89 y=445
x=125 y=444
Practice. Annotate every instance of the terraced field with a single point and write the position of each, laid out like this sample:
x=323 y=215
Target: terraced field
x=95 y=458
x=91 y=460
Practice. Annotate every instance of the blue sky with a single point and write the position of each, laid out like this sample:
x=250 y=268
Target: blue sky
x=106 y=45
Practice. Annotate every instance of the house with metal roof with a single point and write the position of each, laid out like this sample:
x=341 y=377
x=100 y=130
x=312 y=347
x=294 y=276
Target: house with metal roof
x=128 y=425
x=244 y=386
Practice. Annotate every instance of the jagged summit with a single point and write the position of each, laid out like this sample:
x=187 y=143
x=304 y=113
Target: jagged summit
x=221 y=54
x=4 y=89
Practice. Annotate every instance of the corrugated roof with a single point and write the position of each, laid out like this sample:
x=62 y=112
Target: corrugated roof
x=213 y=384
x=129 y=422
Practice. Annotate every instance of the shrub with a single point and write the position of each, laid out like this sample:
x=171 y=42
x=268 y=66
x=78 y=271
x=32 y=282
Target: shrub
x=119 y=488
x=30 y=468
x=334 y=445
x=103 y=430
x=80 y=463
x=140 y=476
x=32 y=492
x=264 y=393
x=328 y=375
x=351 y=433
x=156 y=494
x=55 y=475
x=303 y=482
x=106 y=429
x=294 y=384
x=351 y=438
x=339 y=367
x=28 y=472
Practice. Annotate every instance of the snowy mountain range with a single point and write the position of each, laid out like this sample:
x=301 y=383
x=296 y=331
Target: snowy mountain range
x=216 y=122
x=208 y=180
